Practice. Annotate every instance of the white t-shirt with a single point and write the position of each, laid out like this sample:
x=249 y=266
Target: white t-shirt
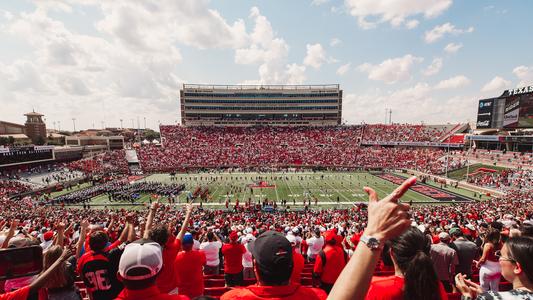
x=247 y=257
x=211 y=250
x=315 y=245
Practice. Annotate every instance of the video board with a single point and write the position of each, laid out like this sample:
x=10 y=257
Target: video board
x=26 y=154
x=485 y=113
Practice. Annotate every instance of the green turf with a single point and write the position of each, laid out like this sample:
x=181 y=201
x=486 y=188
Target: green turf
x=460 y=174
x=293 y=187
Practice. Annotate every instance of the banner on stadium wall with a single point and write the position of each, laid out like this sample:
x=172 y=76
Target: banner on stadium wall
x=4 y=150
x=426 y=190
x=484 y=138
x=42 y=148
x=414 y=144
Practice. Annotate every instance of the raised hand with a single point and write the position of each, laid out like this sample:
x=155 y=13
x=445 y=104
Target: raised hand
x=84 y=224
x=386 y=217
x=466 y=286
x=189 y=208
x=15 y=223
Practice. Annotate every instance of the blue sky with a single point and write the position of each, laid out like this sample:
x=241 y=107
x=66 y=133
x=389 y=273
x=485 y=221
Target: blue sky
x=102 y=61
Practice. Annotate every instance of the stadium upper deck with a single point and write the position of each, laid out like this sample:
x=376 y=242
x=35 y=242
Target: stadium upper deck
x=246 y=105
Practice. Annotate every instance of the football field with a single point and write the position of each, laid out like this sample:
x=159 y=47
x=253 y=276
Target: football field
x=328 y=189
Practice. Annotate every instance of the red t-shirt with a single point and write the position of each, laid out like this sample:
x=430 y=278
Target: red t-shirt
x=356 y=237
x=233 y=258
x=285 y=292
x=20 y=294
x=391 y=288
x=151 y=293
x=167 y=280
x=335 y=262
x=188 y=266
x=298 y=266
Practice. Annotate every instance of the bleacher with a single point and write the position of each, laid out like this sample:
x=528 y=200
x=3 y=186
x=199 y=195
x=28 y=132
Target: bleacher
x=215 y=284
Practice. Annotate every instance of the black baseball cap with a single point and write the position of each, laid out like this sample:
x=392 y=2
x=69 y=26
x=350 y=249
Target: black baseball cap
x=273 y=254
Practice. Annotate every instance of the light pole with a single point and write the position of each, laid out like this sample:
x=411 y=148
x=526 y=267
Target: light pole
x=121 y=124
x=54 y=125
x=74 y=124
x=59 y=125
x=467 y=158
x=144 y=123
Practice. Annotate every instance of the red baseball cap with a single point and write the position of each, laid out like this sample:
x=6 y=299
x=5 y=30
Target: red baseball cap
x=48 y=235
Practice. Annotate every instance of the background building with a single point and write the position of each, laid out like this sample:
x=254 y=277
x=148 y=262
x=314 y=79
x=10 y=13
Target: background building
x=35 y=127
x=247 y=105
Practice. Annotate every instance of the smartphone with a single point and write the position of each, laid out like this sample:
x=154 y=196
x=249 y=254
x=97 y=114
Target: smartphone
x=20 y=262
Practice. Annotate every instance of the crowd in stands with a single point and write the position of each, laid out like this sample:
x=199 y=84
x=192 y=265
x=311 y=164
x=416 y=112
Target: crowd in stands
x=402 y=133
x=218 y=147
x=13 y=187
x=519 y=179
x=109 y=162
x=508 y=158
x=130 y=254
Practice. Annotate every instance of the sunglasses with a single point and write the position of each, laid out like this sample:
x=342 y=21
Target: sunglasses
x=498 y=254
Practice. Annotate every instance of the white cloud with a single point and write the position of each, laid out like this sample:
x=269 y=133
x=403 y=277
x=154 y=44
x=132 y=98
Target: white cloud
x=270 y=53
x=412 y=24
x=524 y=74
x=431 y=107
x=434 y=67
x=391 y=70
x=316 y=56
x=335 y=42
x=496 y=84
x=439 y=31
x=343 y=69
x=295 y=74
x=132 y=60
x=453 y=82
x=453 y=47
x=319 y=2
x=143 y=24
x=370 y=13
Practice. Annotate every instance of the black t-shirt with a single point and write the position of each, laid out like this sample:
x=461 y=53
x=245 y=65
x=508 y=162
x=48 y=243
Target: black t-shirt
x=98 y=271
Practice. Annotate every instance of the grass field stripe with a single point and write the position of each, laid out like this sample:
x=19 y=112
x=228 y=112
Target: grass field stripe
x=336 y=190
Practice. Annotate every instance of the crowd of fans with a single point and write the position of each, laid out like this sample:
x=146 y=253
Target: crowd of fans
x=197 y=252
x=403 y=133
x=519 y=179
x=337 y=147
x=13 y=187
x=109 y=162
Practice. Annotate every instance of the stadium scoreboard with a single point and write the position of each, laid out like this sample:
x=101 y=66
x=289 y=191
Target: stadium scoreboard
x=25 y=154
x=248 y=105
x=513 y=109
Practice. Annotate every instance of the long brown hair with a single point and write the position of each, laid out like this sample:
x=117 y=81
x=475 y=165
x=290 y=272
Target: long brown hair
x=58 y=278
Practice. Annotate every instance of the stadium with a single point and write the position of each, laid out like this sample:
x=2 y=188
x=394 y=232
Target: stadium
x=249 y=159
x=266 y=150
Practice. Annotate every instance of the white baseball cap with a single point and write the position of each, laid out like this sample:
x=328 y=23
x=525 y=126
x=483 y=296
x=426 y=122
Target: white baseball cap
x=139 y=255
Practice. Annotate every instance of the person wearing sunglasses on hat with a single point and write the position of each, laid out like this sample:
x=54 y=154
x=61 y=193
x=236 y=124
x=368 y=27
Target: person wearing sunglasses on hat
x=273 y=264
x=138 y=269
x=516 y=261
